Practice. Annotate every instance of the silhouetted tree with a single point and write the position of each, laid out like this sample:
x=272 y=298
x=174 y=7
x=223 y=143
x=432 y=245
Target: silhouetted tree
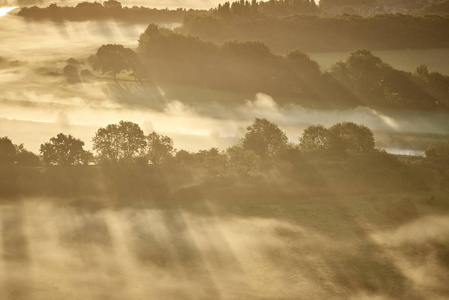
x=114 y=59
x=71 y=74
x=265 y=138
x=431 y=151
x=348 y=137
x=159 y=148
x=314 y=139
x=242 y=161
x=63 y=150
x=25 y=158
x=7 y=151
x=186 y=157
x=214 y=159
x=438 y=150
x=303 y=65
x=122 y=141
x=112 y=4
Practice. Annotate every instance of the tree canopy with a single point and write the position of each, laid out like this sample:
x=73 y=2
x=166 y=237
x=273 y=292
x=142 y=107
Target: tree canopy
x=64 y=150
x=159 y=148
x=122 y=141
x=264 y=138
x=349 y=137
x=314 y=139
x=7 y=151
x=341 y=138
x=114 y=59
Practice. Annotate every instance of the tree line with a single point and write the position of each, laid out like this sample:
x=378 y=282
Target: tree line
x=113 y=9
x=131 y=165
x=363 y=79
x=108 y=10
x=313 y=33
x=125 y=142
x=124 y=153
x=244 y=8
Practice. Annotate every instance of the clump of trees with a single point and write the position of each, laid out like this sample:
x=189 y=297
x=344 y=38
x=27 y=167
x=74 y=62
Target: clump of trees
x=246 y=9
x=65 y=150
x=12 y=154
x=234 y=66
x=108 y=10
x=264 y=138
x=341 y=157
x=363 y=79
x=250 y=67
x=438 y=150
x=125 y=142
x=340 y=139
x=313 y=33
x=380 y=85
x=114 y=59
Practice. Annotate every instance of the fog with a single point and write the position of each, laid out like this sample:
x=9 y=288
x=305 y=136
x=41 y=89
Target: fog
x=37 y=102
x=53 y=251
x=317 y=227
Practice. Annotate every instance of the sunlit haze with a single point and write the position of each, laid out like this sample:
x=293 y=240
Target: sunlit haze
x=224 y=150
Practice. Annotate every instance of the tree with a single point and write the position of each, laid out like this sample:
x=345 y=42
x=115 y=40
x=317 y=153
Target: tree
x=186 y=157
x=361 y=71
x=63 y=150
x=25 y=158
x=314 y=139
x=349 y=137
x=159 y=148
x=113 y=4
x=303 y=64
x=431 y=151
x=265 y=138
x=114 y=59
x=438 y=150
x=241 y=161
x=7 y=151
x=122 y=141
x=71 y=74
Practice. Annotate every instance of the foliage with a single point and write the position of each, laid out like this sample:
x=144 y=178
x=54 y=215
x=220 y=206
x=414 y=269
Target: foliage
x=25 y=158
x=315 y=138
x=109 y=10
x=123 y=141
x=348 y=137
x=263 y=157
x=71 y=74
x=115 y=59
x=7 y=151
x=264 y=138
x=159 y=148
x=380 y=85
x=340 y=139
x=250 y=67
x=63 y=150
x=438 y=150
x=245 y=9
x=312 y=33
x=243 y=162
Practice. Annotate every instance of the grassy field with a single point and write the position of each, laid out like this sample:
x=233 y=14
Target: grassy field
x=383 y=246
